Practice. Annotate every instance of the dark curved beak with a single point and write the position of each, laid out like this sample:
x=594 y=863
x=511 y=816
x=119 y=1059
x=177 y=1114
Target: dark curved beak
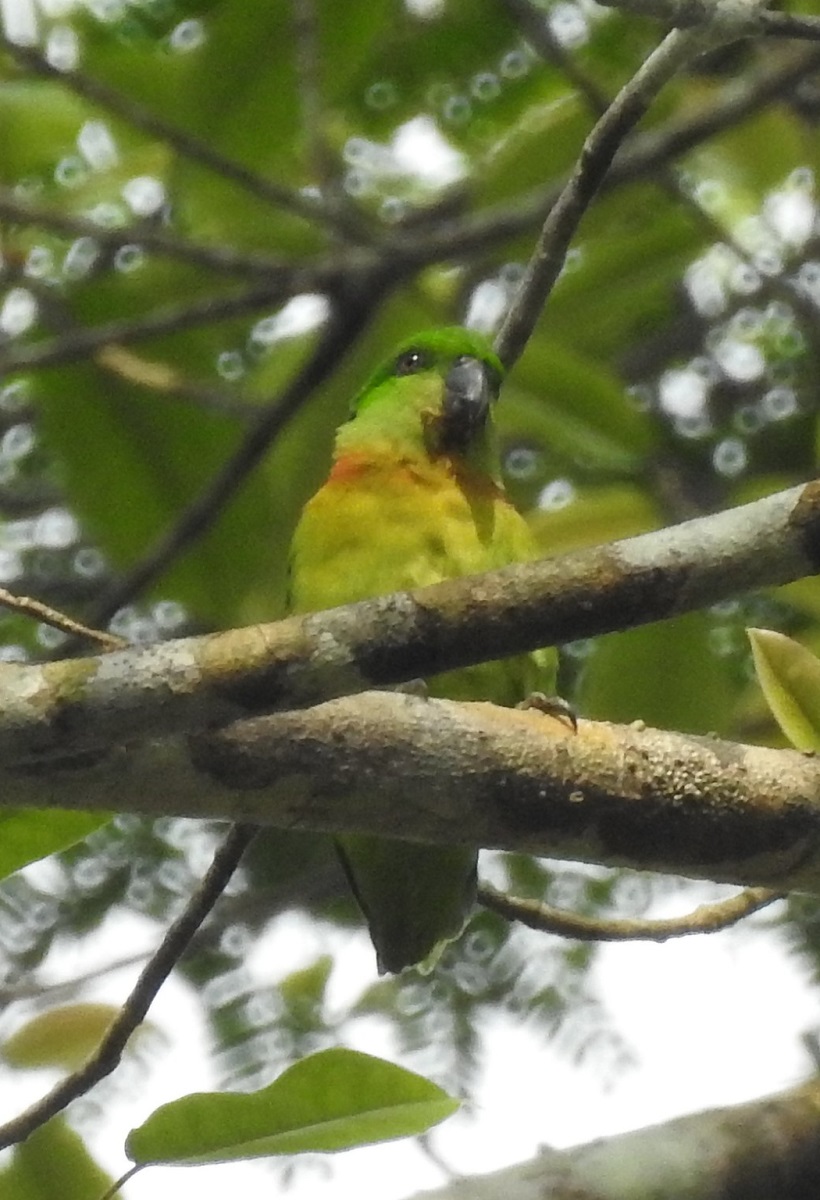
x=469 y=390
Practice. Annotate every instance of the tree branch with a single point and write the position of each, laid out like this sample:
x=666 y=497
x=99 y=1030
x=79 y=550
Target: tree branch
x=760 y=1150
x=301 y=277
x=594 y=161
x=170 y=318
x=790 y=25
x=641 y=158
x=62 y=708
x=737 y=18
x=448 y=773
x=706 y=918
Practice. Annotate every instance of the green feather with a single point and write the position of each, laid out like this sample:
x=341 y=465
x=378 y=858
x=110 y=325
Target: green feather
x=414 y=497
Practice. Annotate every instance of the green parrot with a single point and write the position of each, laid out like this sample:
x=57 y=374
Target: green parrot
x=414 y=496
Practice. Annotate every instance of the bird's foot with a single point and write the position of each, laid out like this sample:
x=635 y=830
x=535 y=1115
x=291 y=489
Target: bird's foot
x=553 y=706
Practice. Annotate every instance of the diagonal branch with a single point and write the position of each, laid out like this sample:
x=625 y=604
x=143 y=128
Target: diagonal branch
x=758 y=1150
x=594 y=161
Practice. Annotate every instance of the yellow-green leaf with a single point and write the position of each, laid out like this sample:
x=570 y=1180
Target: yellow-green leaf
x=789 y=675
x=26 y=835
x=330 y=1101
x=61 y=1037
x=53 y=1162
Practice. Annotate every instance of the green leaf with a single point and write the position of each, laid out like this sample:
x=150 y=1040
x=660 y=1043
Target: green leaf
x=61 y=1037
x=39 y=123
x=789 y=675
x=53 y=1162
x=333 y=1100
x=26 y=836
x=303 y=993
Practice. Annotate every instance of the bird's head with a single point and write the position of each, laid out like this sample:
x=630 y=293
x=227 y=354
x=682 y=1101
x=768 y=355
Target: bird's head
x=437 y=390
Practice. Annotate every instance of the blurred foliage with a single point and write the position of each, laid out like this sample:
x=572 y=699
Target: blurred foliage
x=403 y=155
x=54 y=1161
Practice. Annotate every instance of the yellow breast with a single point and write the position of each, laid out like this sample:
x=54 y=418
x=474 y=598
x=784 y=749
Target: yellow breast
x=376 y=528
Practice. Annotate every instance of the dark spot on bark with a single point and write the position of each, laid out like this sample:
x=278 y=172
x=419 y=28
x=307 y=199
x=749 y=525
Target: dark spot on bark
x=402 y=648
x=657 y=832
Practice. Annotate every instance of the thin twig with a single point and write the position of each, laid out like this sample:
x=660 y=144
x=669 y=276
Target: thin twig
x=170 y=318
x=107 y=1056
x=308 y=71
x=185 y=144
x=120 y=1183
x=58 y=620
x=166 y=380
x=534 y=24
x=707 y=918
x=597 y=153
x=160 y=377
x=31 y=990
x=15 y=209
x=642 y=157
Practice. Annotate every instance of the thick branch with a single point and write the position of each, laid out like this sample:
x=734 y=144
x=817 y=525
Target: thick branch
x=194 y=683
x=760 y=1150
x=441 y=772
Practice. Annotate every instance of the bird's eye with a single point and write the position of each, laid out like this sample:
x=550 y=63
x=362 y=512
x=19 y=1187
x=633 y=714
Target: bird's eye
x=411 y=361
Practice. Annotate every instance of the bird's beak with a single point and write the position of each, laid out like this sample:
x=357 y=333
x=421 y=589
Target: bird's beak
x=468 y=394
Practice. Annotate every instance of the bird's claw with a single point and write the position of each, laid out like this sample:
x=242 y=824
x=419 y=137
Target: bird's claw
x=553 y=706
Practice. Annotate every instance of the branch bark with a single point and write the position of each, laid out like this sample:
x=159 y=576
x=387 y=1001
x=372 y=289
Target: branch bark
x=68 y=707
x=770 y=1147
x=438 y=771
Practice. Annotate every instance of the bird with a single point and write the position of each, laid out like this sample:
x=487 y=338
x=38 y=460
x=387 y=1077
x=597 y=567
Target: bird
x=415 y=496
